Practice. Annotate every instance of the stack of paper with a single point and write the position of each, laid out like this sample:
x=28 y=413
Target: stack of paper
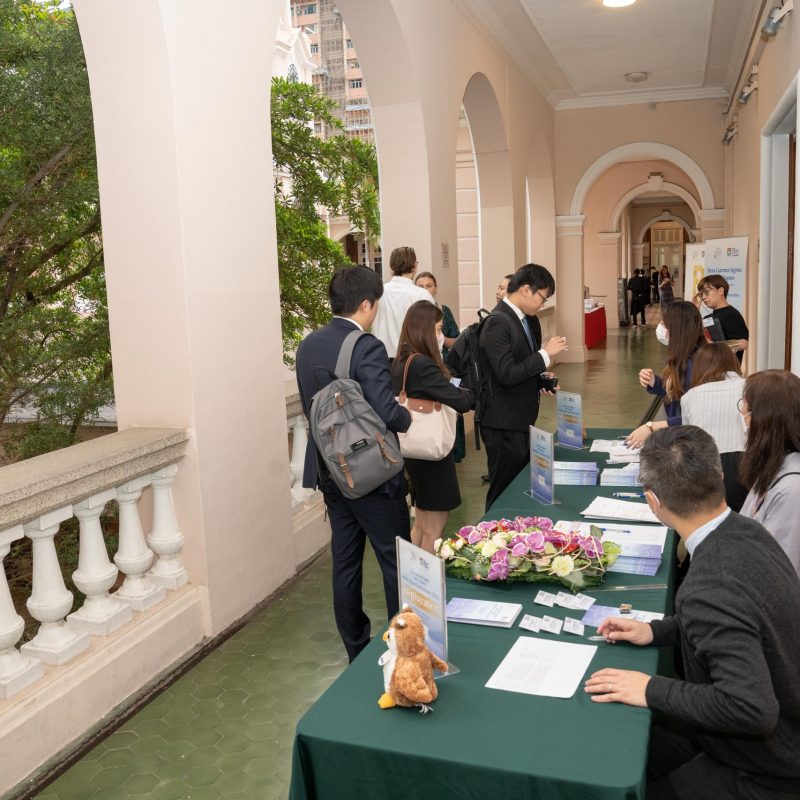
x=482 y=612
x=606 y=508
x=618 y=451
x=625 y=476
x=575 y=473
x=642 y=547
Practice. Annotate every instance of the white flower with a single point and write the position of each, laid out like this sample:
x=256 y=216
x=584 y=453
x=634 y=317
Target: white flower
x=562 y=566
x=447 y=552
x=459 y=543
x=500 y=539
x=436 y=545
x=489 y=549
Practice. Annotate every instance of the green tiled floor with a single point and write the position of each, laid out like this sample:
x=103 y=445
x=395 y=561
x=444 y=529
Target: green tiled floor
x=225 y=729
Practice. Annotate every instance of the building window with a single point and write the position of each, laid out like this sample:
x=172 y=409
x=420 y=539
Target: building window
x=353 y=63
x=356 y=83
x=314 y=48
x=349 y=44
x=310 y=9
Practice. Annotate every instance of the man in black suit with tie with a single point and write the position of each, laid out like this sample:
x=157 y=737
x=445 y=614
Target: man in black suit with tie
x=512 y=361
x=382 y=514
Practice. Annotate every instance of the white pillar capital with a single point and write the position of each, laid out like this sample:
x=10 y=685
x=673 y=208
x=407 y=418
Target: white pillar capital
x=570 y=225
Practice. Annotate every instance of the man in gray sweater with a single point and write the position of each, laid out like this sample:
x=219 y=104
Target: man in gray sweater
x=731 y=729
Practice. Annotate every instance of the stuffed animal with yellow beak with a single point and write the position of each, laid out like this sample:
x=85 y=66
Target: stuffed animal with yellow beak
x=408 y=665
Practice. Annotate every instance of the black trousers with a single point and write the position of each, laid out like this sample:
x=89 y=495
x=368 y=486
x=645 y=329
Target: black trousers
x=637 y=308
x=507 y=452
x=678 y=770
x=379 y=518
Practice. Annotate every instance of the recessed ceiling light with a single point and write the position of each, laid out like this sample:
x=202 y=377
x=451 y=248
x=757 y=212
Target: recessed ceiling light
x=618 y=3
x=636 y=77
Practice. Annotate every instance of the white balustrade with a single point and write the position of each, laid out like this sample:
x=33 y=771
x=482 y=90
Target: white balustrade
x=50 y=601
x=165 y=539
x=134 y=557
x=16 y=670
x=299 y=427
x=101 y=613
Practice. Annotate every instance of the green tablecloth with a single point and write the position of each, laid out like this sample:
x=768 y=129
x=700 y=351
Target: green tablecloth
x=479 y=742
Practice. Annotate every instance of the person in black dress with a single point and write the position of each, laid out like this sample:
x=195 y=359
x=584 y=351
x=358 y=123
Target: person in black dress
x=713 y=291
x=654 y=280
x=640 y=290
x=434 y=483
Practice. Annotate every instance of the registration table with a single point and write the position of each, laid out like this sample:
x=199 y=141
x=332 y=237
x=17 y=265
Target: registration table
x=594 y=326
x=486 y=743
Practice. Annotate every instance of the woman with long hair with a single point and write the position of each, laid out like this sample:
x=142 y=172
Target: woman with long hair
x=665 y=288
x=684 y=334
x=770 y=466
x=434 y=483
x=711 y=404
x=427 y=281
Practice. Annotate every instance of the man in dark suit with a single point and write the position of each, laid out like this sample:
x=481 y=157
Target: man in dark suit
x=512 y=361
x=640 y=291
x=731 y=727
x=382 y=514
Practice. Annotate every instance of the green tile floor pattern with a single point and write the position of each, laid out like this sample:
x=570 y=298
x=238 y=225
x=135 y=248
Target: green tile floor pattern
x=224 y=730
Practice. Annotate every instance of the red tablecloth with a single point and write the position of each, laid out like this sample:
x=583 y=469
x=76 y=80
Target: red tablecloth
x=594 y=326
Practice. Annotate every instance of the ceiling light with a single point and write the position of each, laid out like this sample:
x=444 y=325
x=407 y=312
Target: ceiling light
x=773 y=21
x=618 y=3
x=636 y=77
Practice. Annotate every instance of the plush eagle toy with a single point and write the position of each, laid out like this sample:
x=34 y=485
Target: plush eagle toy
x=408 y=665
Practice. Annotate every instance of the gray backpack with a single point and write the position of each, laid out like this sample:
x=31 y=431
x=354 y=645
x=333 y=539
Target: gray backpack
x=351 y=438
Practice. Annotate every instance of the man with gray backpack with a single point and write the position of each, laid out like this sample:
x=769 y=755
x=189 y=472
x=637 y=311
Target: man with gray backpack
x=352 y=455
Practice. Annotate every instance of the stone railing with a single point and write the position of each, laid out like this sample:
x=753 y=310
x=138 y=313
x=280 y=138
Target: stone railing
x=37 y=495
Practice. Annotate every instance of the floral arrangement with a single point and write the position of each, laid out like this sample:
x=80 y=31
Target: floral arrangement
x=527 y=549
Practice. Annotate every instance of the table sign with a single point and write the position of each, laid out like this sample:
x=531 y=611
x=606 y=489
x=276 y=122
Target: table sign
x=542 y=465
x=570 y=420
x=420 y=584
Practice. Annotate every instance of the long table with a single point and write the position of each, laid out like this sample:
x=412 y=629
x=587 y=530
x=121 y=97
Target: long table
x=479 y=742
x=594 y=327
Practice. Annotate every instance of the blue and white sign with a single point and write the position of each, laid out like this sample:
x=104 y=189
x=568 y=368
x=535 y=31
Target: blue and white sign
x=421 y=586
x=542 y=465
x=570 y=420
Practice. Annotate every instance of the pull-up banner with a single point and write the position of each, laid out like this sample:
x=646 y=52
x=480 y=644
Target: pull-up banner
x=726 y=257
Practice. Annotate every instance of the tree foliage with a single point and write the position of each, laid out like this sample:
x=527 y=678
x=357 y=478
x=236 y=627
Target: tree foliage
x=54 y=344
x=337 y=174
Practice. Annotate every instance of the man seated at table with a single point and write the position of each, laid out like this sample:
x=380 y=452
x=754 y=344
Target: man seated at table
x=732 y=727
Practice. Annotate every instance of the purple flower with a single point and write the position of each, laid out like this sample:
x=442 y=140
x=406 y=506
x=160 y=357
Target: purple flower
x=465 y=531
x=519 y=549
x=535 y=541
x=476 y=536
x=488 y=526
x=499 y=568
x=591 y=545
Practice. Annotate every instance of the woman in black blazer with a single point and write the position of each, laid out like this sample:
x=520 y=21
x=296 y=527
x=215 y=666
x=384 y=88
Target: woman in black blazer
x=434 y=483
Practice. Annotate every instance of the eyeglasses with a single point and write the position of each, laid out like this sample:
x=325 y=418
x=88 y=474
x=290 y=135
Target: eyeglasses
x=544 y=297
x=741 y=405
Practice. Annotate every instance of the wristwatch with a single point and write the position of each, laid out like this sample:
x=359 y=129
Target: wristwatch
x=649 y=424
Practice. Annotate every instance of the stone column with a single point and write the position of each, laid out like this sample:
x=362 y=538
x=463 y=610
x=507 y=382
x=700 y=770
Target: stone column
x=638 y=256
x=165 y=539
x=134 y=557
x=712 y=223
x=569 y=285
x=100 y=614
x=16 y=670
x=612 y=257
x=50 y=601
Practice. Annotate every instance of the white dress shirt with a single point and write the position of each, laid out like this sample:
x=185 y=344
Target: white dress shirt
x=399 y=294
x=712 y=407
x=521 y=315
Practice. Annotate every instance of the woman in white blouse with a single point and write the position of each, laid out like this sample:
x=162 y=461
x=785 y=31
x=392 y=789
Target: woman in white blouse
x=717 y=386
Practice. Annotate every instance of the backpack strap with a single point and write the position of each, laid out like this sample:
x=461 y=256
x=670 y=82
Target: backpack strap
x=403 y=394
x=346 y=353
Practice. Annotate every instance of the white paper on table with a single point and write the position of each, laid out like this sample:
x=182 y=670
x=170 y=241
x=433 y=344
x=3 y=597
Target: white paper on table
x=541 y=667
x=565 y=600
x=582 y=602
x=611 y=508
x=616 y=448
x=531 y=623
x=573 y=626
x=551 y=624
x=635 y=534
x=544 y=599
x=604 y=445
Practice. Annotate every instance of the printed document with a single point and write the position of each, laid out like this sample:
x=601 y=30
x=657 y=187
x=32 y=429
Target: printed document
x=609 y=508
x=541 y=667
